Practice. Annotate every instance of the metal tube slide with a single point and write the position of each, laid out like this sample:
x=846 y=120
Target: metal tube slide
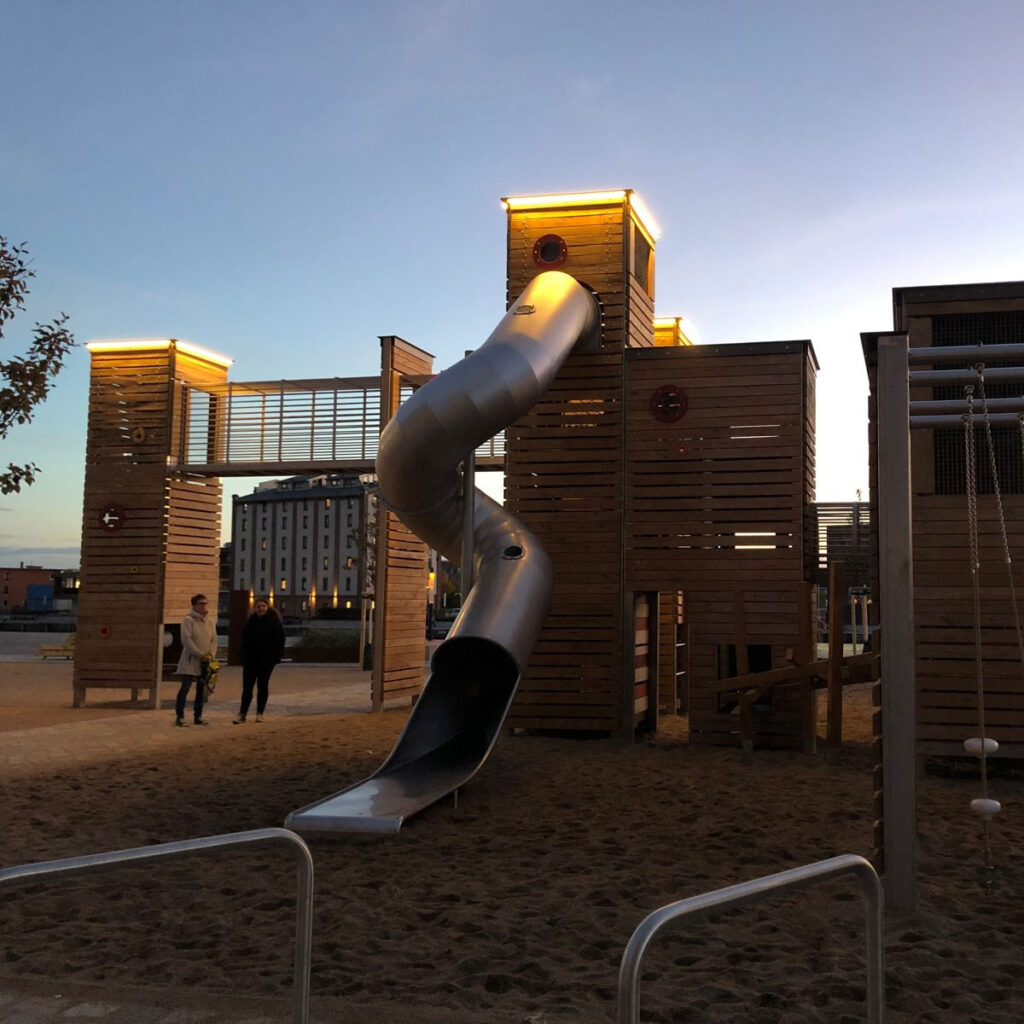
x=476 y=670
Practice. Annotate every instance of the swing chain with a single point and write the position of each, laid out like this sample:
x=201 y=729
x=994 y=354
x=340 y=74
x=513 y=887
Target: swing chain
x=971 y=478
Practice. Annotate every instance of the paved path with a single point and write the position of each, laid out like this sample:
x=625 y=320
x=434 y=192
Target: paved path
x=40 y=732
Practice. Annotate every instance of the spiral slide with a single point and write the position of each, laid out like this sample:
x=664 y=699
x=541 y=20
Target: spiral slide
x=474 y=673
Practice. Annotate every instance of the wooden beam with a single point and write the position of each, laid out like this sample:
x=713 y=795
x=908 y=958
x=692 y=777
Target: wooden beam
x=896 y=575
x=836 y=610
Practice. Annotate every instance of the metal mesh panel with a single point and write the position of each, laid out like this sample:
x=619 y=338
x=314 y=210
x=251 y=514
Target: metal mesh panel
x=641 y=258
x=978 y=329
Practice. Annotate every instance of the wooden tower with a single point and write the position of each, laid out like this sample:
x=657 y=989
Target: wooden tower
x=565 y=461
x=669 y=483
x=150 y=534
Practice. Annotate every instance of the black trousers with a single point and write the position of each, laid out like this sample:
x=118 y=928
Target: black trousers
x=256 y=674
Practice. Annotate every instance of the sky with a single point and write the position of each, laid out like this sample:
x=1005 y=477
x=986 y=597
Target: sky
x=284 y=183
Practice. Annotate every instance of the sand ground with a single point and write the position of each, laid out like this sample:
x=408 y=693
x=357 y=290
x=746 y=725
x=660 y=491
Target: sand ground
x=514 y=905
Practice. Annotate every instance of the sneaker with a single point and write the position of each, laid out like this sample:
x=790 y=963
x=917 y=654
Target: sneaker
x=200 y=721
x=180 y=722
x=259 y=718
x=240 y=720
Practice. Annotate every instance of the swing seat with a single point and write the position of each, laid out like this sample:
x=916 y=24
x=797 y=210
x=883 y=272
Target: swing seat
x=976 y=746
x=986 y=808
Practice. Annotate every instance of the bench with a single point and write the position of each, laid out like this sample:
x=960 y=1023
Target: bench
x=65 y=649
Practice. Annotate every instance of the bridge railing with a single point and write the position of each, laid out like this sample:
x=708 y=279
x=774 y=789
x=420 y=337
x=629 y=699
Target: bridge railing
x=331 y=422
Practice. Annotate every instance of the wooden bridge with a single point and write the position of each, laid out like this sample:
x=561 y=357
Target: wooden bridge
x=258 y=428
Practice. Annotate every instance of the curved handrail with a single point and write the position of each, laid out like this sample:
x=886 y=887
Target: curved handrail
x=748 y=892
x=304 y=859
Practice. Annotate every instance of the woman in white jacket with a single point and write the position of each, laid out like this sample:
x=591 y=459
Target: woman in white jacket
x=198 y=645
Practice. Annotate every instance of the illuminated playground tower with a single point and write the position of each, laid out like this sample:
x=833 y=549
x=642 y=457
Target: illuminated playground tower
x=150 y=534
x=669 y=483
x=565 y=464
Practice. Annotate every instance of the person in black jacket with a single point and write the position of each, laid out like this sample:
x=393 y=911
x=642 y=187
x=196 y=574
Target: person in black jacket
x=262 y=647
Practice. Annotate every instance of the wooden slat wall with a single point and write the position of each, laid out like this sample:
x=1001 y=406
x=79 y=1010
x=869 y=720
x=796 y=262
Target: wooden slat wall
x=193 y=505
x=400 y=641
x=739 y=461
x=947 y=704
x=669 y=609
x=192 y=543
x=171 y=531
x=597 y=251
x=642 y=660
x=564 y=480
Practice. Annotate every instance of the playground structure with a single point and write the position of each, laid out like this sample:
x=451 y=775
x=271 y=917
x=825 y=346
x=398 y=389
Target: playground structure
x=668 y=482
x=951 y=656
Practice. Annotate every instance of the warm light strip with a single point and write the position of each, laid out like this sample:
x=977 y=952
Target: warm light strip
x=149 y=344
x=650 y=225
x=564 y=199
x=616 y=195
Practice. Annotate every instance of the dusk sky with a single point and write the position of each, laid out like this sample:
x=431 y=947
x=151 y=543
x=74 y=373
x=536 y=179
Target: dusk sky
x=285 y=182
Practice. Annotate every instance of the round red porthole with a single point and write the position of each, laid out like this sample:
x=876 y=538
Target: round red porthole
x=104 y=632
x=550 y=251
x=112 y=517
x=668 y=403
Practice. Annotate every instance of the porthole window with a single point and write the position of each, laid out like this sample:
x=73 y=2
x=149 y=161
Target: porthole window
x=550 y=251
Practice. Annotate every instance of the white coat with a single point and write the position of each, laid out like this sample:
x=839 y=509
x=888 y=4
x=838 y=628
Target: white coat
x=198 y=641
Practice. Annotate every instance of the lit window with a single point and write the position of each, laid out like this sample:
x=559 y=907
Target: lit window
x=284 y=583
x=325 y=561
x=263 y=544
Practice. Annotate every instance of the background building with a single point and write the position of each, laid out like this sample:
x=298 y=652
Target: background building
x=305 y=543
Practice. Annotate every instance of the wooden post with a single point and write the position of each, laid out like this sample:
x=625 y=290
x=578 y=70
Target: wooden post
x=805 y=654
x=739 y=618
x=836 y=614
x=896 y=576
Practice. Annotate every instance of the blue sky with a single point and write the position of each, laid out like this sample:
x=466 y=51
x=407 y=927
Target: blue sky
x=285 y=182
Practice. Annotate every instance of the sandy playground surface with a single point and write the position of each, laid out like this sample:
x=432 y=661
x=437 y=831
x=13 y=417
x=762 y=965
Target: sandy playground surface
x=516 y=905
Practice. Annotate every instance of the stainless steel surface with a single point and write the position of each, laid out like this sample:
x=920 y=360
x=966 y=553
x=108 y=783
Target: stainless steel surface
x=748 y=892
x=997 y=419
x=941 y=378
x=965 y=354
x=304 y=860
x=958 y=406
x=457 y=718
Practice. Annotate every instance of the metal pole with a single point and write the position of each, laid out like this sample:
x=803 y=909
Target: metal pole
x=896 y=576
x=749 y=892
x=304 y=903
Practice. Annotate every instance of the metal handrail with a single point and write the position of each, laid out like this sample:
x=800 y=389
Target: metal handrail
x=748 y=892
x=304 y=860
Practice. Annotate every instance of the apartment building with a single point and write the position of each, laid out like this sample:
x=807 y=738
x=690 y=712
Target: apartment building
x=306 y=543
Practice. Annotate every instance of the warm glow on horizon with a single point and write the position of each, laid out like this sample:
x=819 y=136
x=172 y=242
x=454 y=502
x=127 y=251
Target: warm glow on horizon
x=153 y=344
x=569 y=199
